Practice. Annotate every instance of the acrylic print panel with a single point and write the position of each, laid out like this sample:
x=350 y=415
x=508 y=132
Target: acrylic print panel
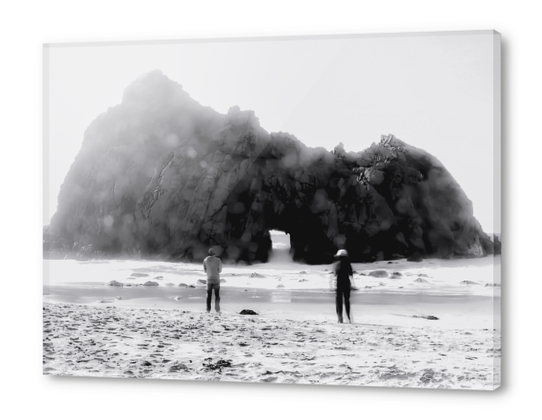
x=311 y=210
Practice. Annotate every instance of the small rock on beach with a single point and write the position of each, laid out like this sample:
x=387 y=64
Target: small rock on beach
x=150 y=283
x=115 y=283
x=379 y=273
x=247 y=312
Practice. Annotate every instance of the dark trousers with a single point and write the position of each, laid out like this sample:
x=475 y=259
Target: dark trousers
x=343 y=292
x=210 y=288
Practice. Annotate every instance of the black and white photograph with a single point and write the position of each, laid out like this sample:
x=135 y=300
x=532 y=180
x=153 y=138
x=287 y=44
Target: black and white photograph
x=310 y=210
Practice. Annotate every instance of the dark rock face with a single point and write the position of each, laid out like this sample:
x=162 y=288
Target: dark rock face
x=161 y=175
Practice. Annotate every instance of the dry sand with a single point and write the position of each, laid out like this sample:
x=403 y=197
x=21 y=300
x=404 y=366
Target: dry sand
x=109 y=341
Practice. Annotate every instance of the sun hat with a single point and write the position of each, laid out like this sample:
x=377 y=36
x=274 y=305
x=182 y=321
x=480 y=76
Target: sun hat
x=341 y=253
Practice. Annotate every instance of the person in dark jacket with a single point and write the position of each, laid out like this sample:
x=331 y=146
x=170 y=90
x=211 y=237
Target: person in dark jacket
x=343 y=272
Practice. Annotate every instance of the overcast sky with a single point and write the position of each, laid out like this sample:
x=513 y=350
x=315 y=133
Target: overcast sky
x=433 y=91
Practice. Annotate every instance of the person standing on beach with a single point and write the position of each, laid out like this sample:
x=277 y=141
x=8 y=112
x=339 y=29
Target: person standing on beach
x=343 y=271
x=213 y=266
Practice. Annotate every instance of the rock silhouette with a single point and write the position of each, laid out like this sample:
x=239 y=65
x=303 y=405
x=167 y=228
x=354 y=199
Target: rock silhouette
x=162 y=176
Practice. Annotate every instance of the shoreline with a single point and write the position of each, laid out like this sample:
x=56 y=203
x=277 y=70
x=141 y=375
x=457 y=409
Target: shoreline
x=452 y=311
x=388 y=293
x=443 y=276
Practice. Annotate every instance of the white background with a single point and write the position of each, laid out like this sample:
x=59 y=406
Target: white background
x=26 y=26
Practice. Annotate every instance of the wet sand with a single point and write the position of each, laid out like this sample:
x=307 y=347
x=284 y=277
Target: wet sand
x=453 y=311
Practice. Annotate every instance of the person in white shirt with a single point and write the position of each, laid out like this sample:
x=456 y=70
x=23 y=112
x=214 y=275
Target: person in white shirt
x=213 y=266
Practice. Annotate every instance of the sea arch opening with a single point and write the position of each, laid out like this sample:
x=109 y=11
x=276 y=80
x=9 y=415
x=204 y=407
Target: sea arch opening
x=280 y=246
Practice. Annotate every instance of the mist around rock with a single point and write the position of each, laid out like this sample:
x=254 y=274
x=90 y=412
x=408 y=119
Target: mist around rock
x=162 y=176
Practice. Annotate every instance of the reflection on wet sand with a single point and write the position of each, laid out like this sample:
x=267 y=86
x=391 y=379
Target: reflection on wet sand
x=281 y=296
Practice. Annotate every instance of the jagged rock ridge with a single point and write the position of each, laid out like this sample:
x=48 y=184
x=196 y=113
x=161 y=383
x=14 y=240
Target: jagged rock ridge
x=161 y=175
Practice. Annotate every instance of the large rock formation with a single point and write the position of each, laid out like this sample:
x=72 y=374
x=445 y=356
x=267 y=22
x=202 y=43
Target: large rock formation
x=161 y=175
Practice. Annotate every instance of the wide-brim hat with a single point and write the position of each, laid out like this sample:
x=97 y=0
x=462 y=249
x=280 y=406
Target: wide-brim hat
x=341 y=253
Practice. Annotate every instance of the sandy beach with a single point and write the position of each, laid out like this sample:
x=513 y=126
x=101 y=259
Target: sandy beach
x=172 y=344
x=433 y=324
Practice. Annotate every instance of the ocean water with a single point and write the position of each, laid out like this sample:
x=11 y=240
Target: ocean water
x=460 y=293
